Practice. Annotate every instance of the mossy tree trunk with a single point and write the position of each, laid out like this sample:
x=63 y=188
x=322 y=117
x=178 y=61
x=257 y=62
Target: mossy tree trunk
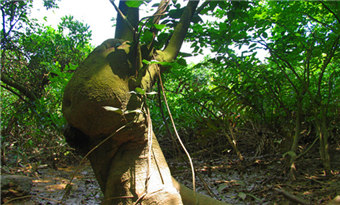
x=108 y=120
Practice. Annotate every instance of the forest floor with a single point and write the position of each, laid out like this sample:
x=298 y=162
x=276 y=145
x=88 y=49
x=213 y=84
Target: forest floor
x=257 y=180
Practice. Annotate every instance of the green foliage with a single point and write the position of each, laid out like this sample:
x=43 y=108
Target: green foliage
x=134 y=4
x=232 y=90
x=236 y=88
x=164 y=28
x=37 y=62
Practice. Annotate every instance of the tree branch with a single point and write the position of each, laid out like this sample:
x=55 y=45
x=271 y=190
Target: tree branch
x=3 y=26
x=336 y=16
x=15 y=93
x=127 y=21
x=291 y=196
x=171 y=51
x=285 y=74
x=124 y=18
x=175 y=43
x=273 y=52
x=21 y=88
x=330 y=55
x=199 y=9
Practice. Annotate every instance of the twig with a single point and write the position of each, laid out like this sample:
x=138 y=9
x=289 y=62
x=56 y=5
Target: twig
x=303 y=153
x=206 y=186
x=291 y=196
x=18 y=198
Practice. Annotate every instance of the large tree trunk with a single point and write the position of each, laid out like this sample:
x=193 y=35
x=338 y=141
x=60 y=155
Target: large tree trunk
x=120 y=164
x=109 y=122
x=129 y=179
x=94 y=104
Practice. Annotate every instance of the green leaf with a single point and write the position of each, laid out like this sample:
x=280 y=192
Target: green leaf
x=30 y=142
x=146 y=62
x=134 y=4
x=140 y=91
x=157 y=62
x=252 y=45
x=147 y=36
x=185 y=54
x=176 y=13
x=113 y=109
x=182 y=62
x=242 y=195
x=159 y=26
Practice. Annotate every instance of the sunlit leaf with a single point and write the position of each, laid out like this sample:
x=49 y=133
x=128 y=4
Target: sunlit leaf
x=159 y=26
x=113 y=109
x=140 y=91
x=157 y=62
x=134 y=4
x=133 y=111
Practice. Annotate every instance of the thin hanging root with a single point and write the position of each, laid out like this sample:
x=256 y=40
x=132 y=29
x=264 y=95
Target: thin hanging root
x=179 y=139
x=149 y=146
x=159 y=170
x=140 y=199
